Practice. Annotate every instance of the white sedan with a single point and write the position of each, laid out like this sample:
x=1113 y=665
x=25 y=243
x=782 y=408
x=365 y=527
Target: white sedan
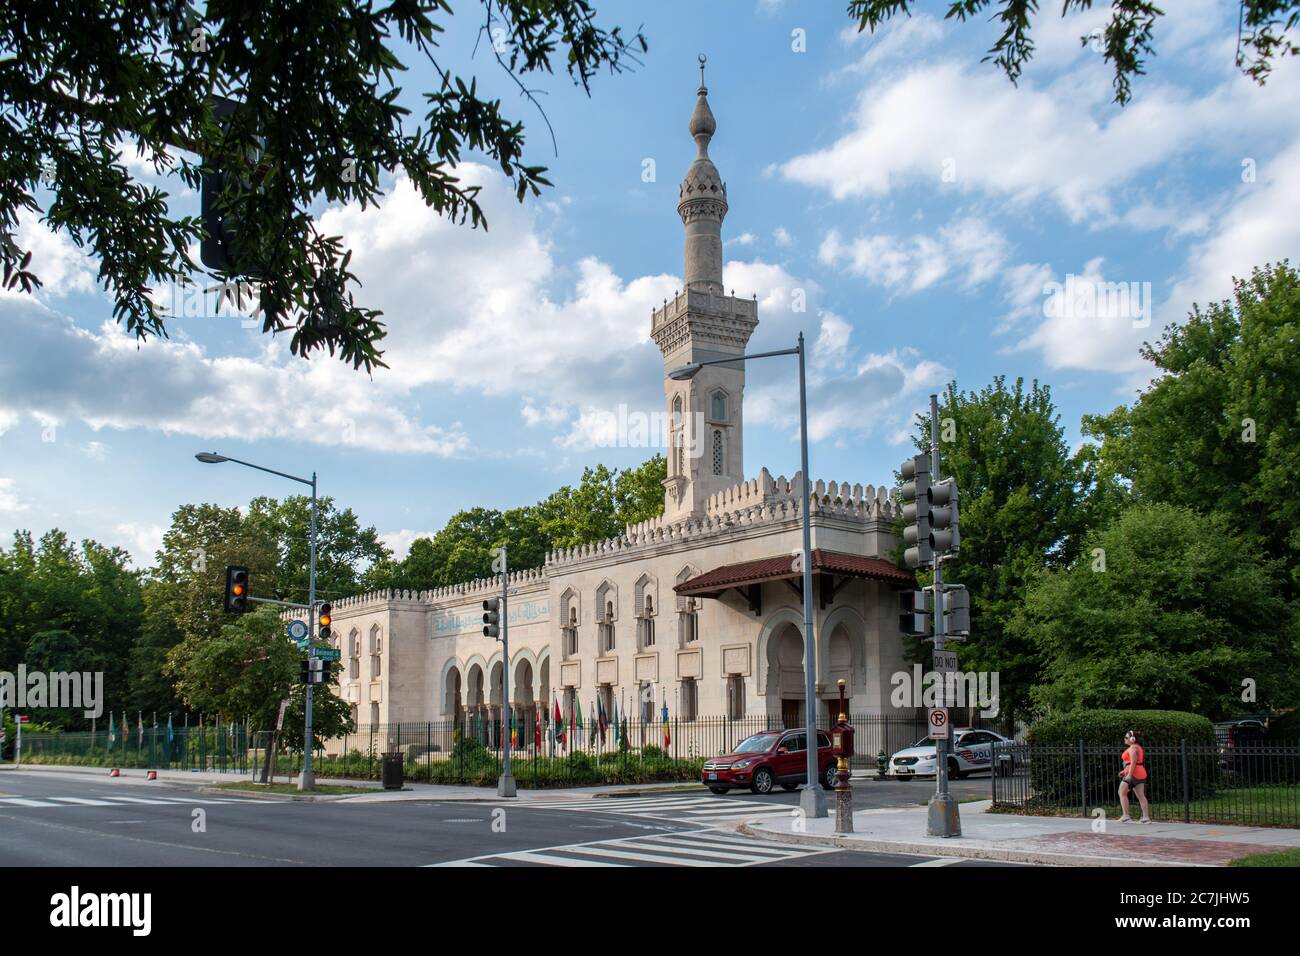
x=971 y=753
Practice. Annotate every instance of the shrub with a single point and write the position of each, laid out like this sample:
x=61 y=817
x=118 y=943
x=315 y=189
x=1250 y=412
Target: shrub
x=1055 y=768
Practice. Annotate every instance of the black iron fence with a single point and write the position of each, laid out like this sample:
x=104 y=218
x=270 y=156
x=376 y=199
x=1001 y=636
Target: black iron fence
x=1194 y=783
x=218 y=746
x=471 y=751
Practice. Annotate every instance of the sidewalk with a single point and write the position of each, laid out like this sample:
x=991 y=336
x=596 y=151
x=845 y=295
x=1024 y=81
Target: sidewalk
x=412 y=791
x=1063 y=841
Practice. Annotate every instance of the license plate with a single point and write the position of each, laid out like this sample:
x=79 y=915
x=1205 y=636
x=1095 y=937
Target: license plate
x=713 y=776
x=902 y=770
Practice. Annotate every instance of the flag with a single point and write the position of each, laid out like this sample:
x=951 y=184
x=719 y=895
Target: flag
x=139 y=729
x=618 y=726
x=668 y=737
x=558 y=719
x=514 y=734
x=601 y=721
x=537 y=730
x=577 y=706
x=170 y=732
x=112 y=732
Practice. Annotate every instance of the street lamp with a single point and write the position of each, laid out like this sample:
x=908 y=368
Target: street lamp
x=811 y=800
x=308 y=779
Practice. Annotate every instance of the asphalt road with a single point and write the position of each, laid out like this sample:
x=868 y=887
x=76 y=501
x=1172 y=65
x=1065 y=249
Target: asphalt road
x=53 y=819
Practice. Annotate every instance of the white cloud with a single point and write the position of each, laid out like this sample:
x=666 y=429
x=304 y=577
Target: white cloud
x=62 y=268
x=968 y=247
x=144 y=541
x=95 y=450
x=109 y=380
x=781 y=236
x=399 y=542
x=1065 y=141
x=10 y=503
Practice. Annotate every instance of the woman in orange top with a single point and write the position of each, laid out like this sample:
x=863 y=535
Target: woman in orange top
x=1133 y=777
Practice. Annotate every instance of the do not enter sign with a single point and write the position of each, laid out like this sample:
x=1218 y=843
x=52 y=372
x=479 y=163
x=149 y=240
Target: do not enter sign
x=939 y=723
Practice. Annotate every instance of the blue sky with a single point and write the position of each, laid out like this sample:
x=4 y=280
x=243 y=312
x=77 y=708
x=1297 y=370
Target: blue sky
x=915 y=203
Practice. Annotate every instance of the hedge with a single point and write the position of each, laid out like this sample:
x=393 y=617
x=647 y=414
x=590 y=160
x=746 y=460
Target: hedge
x=1055 y=776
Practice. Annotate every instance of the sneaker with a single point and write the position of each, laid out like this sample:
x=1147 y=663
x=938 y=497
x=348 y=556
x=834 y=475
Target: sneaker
x=1145 y=820
x=1125 y=819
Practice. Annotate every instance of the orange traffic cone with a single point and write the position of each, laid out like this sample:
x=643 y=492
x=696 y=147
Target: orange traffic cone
x=151 y=775
x=115 y=772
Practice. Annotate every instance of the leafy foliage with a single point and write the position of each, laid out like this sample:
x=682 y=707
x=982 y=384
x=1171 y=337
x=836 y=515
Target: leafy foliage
x=1127 y=40
x=1219 y=431
x=1179 y=615
x=317 y=116
x=604 y=502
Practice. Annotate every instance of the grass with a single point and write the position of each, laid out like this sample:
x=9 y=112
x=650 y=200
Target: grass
x=327 y=790
x=1280 y=858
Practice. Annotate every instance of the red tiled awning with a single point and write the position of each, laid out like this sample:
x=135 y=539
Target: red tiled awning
x=781 y=568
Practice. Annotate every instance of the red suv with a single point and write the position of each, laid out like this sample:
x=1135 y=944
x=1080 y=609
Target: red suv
x=764 y=760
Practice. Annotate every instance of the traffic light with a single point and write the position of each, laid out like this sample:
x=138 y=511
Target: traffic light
x=944 y=533
x=956 y=611
x=304 y=676
x=236 y=589
x=492 y=618
x=915 y=495
x=914 y=612
x=323 y=622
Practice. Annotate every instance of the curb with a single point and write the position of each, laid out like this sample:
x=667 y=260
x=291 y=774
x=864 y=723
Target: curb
x=965 y=852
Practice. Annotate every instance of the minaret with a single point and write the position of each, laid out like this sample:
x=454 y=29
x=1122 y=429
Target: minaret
x=701 y=323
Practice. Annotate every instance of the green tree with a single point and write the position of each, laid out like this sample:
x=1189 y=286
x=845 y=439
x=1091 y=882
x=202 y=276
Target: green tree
x=1127 y=40
x=319 y=117
x=1219 y=430
x=1165 y=609
x=245 y=671
x=1020 y=492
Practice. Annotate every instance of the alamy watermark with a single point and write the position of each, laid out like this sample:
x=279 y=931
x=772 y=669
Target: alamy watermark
x=36 y=689
x=918 y=688
x=1083 y=298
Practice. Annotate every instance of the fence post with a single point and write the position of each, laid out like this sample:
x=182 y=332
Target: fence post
x=1083 y=782
x=1187 y=802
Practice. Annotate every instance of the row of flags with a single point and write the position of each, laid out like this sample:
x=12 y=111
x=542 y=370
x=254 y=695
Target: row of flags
x=578 y=731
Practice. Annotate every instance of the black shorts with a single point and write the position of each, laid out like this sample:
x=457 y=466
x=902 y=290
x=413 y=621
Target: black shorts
x=1133 y=782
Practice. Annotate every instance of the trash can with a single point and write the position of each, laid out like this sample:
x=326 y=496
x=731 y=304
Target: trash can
x=393 y=770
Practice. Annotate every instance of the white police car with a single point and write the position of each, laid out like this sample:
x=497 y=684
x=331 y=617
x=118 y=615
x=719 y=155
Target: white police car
x=971 y=753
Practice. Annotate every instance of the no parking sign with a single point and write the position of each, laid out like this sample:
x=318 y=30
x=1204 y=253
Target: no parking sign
x=938 y=717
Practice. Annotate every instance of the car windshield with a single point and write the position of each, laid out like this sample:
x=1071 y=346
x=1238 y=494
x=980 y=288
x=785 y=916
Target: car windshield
x=759 y=743
x=924 y=742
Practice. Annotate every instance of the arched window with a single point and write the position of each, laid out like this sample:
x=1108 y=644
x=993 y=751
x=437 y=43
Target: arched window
x=717 y=451
x=571 y=634
x=376 y=652
x=646 y=624
x=677 y=412
x=354 y=654
x=607 y=629
x=718 y=406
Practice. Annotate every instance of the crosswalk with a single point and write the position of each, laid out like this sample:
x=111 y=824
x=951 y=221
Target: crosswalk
x=695 y=848
x=45 y=802
x=679 y=807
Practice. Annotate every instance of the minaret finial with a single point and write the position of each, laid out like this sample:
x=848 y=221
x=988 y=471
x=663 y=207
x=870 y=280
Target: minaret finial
x=703 y=59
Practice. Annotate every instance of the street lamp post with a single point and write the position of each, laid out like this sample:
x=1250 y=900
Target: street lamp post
x=308 y=779
x=812 y=800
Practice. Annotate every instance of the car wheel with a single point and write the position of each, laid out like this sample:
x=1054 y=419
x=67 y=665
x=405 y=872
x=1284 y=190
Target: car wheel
x=828 y=776
x=719 y=789
x=763 y=780
x=954 y=770
x=789 y=786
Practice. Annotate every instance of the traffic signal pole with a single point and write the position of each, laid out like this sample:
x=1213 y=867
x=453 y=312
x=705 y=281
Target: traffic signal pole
x=942 y=818
x=308 y=779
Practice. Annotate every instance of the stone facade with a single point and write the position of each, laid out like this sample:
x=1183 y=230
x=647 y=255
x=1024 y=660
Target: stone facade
x=608 y=619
